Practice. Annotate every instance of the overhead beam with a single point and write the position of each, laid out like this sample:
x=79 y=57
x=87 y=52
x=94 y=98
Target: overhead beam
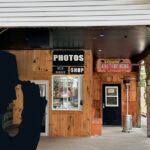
x=2 y=30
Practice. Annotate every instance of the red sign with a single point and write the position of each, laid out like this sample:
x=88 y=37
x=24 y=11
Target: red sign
x=113 y=65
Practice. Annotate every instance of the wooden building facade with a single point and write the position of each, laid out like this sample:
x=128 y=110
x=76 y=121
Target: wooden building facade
x=104 y=30
x=113 y=79
x=37 y=65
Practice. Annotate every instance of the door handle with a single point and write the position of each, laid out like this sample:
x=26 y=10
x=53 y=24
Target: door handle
x=103 y=105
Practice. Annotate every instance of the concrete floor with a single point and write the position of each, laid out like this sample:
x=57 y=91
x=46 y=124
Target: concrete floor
x=112 y=139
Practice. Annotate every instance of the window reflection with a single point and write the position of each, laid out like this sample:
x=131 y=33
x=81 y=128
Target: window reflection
x=67 y=92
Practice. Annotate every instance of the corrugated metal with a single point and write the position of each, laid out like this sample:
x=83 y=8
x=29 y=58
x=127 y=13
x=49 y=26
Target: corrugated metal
x=74 y=12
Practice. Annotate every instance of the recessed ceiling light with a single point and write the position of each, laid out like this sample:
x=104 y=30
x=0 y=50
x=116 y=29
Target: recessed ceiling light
x=125 y=36
x=101 y=35
x=99 y=50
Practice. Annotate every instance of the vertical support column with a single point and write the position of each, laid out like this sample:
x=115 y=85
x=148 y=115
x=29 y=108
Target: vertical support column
x=127 y=97
x=147 y=67
x=148 y=108
x=139 y=99
x=139 y=104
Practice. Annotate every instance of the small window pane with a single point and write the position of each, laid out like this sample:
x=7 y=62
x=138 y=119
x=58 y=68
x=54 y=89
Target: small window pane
x=73 y=92
x=111 y=96
x=112 y=101
x=112 y=91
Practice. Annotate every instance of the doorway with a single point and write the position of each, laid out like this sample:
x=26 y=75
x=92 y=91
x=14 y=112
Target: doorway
x=111 y=104
x=44 y=92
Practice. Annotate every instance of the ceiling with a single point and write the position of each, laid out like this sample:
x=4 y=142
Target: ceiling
x=106 y=42
x=122 y=42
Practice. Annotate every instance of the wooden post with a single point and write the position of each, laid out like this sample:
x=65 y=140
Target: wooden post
x=139 y=100
x=148 y=109
x=147 y=67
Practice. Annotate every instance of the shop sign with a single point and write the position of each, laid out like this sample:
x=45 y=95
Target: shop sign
x=68 y=58
x=68 y=62
x=113 y=65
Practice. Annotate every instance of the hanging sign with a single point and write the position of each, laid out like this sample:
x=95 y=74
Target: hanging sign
x=113 y=65
x=68 y=62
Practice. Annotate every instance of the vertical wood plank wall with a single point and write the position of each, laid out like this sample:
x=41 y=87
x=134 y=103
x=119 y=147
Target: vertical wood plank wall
x=37 y=65
x=113 y=78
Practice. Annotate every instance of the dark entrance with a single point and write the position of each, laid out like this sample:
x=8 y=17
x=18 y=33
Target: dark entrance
x=111 y=104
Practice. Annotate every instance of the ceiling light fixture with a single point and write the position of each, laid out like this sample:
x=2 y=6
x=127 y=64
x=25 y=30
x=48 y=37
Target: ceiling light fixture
x=125 y=36
x=101 y=35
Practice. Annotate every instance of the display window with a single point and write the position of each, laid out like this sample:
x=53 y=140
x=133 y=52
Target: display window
x=67 y=92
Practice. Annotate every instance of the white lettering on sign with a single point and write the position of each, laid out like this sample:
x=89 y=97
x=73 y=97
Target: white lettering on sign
x=65 y=58
x=71 y=57
x=113 y=65
x=81 y=58
x=77 y=70
x=76 y=57
x=61 y=57
x=55 y=57
x=68 y=58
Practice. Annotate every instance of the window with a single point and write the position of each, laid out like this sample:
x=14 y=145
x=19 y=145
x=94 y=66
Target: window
x=111 y=93
x=67 y=92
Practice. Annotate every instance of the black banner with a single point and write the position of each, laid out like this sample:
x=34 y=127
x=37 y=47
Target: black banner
x=68 y=58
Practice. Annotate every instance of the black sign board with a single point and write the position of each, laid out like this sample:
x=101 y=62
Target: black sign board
x=76 y=70
x=60 y=70
x=68 y=58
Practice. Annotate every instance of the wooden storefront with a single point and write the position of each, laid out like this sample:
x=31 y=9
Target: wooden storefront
x=113 y=78
x=37 y=65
